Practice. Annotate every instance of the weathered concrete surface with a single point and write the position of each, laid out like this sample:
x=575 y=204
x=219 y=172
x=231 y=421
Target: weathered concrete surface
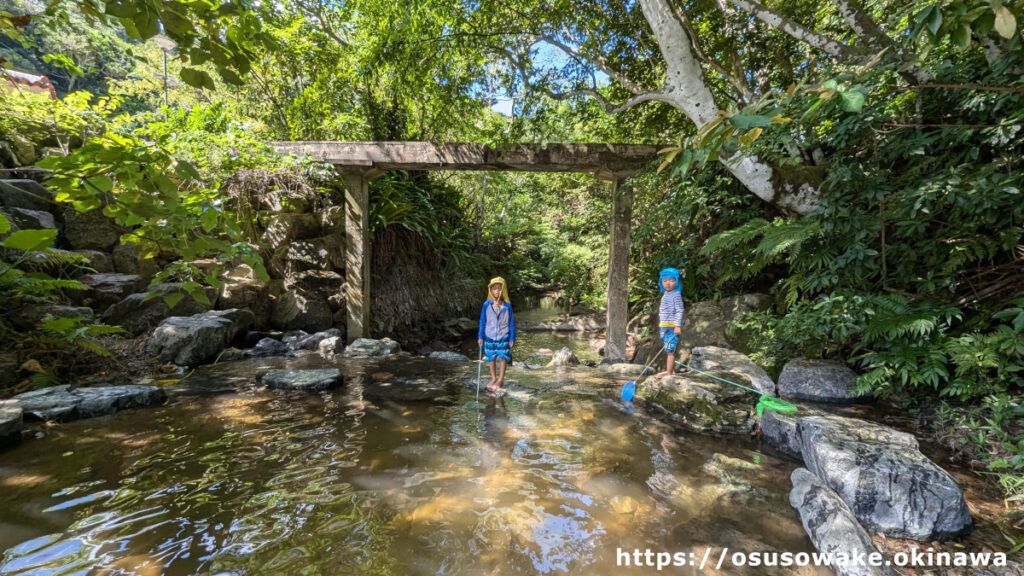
x=598 y=158
x=831 y=525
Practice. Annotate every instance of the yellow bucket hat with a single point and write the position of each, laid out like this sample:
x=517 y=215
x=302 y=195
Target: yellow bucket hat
x=504 y=287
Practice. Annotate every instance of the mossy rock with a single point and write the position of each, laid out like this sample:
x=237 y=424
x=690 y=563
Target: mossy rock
x=702 y=404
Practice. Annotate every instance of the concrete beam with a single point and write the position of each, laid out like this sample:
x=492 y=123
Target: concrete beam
x=609 y=160
x=618 y=273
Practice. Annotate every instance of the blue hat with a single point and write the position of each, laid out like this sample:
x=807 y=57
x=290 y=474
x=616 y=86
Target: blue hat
x=669 y=273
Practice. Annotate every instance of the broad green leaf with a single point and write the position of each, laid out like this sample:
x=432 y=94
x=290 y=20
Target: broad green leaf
x=101 y=183
x=31 y=240
x=852 y=100
x=962 y=36
x=1005 y=23
x=5 y=224
x=197 y=78
x=172 y=299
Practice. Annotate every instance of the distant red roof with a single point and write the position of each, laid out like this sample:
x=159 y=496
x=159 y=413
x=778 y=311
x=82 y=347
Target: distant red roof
x=37 y=83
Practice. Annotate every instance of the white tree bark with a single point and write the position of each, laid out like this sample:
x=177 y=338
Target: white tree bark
x=686 y=89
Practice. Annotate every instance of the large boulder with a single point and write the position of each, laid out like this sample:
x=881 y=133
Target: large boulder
x=11 y=422
x=880 y=473
x=700 y=403
x=63 y=403
x=735 y=307
x=297 y=310
x=713 y=358
x=139 y=312
x=320 y=379
x=191 y=340
x=779 y=430
x=90 y=230
x=323 y=283
x=104 y=290
x=370 y=348
x=819 y=381
x=703 y=325
x=27 y=194
x=832 y=526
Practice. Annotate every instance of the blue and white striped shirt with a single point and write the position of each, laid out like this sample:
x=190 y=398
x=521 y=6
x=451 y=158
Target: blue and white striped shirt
x=671 y=312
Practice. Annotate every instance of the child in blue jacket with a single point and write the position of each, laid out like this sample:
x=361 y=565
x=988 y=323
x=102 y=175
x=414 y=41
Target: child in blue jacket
x=497 y=333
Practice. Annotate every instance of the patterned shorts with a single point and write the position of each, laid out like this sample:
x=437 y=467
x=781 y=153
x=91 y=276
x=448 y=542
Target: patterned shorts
x=494 y=349
x=668 y=336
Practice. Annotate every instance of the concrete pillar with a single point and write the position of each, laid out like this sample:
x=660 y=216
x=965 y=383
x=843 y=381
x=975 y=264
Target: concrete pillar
x=618 y=273
x=357 y=255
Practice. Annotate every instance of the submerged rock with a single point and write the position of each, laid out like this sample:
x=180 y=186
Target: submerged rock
x=400 y=389
x=819 y=381
x=370 y=348
x=713 y=358
x=625 y=369
x=880 y=473
x=448 y=356
x=564 y=357
x=320 y=379
x=831 y=524
x=63 y=403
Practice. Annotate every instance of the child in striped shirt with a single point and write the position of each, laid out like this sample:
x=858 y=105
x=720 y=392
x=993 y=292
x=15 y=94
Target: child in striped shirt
x=670 y=315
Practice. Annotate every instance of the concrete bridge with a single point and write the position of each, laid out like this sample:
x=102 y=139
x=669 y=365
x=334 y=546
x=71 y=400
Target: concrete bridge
x=359 y=162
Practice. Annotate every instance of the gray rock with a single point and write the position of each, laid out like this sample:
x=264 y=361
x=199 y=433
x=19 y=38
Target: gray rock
x=312 y=342
x=819 y=381
x=369 y=348
x=322 y=282
x=32 y=219
x=190 y=340
x=288 y=227
x=127 y=260
x=104 y=290
x=735 y=307
x=98 y=261
x=564 y=357
x=136 y=313
x=293 y=338
x=27 y=194
x=63 y=403
x=240 y=291
x=713 y=358
x=780 y=431
x=831 y=524
x=880 y=473
x=700 y=403
x=90 y=230
x=295 y=310
x=448 y=356
x=269 y=347
x=321 y=379
x=703 y=325
x=11 y=421
x=331 y=346
x=29 y=316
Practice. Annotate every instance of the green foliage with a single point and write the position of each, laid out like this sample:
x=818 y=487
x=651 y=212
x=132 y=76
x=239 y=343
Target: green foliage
x=581 y=272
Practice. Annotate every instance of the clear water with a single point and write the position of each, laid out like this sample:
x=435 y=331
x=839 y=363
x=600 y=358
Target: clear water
x=551 y=480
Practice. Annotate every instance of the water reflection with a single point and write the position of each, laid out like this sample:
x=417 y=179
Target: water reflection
x=270 y=482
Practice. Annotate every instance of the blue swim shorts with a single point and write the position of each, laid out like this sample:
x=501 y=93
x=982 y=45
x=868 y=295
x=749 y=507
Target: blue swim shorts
x=668 y=336
x=494 y=349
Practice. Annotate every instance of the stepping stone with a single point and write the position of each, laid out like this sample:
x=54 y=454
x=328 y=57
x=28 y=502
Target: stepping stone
x=318 y=379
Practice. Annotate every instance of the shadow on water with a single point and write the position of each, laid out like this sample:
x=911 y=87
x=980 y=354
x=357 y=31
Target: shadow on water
x=551 y=479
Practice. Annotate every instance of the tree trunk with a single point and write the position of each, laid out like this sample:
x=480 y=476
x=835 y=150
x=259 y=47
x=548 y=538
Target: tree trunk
x=686 y=89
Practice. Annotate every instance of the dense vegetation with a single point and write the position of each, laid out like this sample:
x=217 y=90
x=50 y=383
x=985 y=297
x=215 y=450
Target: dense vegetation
x=890 y=232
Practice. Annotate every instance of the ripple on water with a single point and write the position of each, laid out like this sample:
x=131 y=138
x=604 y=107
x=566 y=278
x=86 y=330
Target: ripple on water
x=268 y=482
